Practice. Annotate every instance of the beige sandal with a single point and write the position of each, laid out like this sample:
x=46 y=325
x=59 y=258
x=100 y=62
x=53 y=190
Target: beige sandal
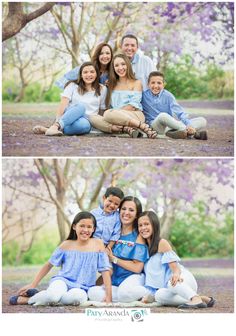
x=54 y=130
x=39 y=129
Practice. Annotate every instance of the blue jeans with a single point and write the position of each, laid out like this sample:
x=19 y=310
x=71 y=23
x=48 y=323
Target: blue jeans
x=74 y=122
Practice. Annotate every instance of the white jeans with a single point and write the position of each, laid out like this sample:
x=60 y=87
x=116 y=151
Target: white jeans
x=164 y=122
x=58 y=292
x=180 y=293
x=131 y=289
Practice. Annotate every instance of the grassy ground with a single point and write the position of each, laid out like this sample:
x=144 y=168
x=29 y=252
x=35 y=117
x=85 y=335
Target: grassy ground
x=19 y=140
x=215 y=278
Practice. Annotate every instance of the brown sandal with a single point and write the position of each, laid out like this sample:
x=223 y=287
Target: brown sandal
x=146 y=129
x=133 y=132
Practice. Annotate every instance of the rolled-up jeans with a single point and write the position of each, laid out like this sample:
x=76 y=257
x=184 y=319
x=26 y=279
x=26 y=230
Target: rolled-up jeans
x=74 y=121
x=165 y=122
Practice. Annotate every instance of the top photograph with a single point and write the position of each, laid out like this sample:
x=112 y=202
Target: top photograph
x=118 y=79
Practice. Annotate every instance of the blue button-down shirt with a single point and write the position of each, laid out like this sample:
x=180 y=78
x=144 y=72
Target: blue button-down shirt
x=108 y=225
x=153 y=105
x=142 y=65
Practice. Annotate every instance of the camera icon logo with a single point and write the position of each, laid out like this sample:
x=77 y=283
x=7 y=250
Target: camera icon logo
x=137 y=315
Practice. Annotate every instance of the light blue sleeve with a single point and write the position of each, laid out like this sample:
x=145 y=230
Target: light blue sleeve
x=103 y=262
x=135 y=99
x=116 y=231
x=70 y=75
x=177 y=110
x=169 y=256
x=57 y=257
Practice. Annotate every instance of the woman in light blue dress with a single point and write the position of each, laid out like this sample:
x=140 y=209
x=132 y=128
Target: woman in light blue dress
x=124 y=98
x=166 y=280
x=127 y=256
x=80 y=257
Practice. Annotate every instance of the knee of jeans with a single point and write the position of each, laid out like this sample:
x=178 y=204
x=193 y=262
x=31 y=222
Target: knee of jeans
x=96 y=293
x=203 y=122
x=85 y=125
x=81 y=107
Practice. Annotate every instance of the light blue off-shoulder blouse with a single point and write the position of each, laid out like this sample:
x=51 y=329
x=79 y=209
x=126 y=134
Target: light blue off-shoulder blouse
x=127 y=248
x=122 y=98
x=157 y=270
x=79 y=269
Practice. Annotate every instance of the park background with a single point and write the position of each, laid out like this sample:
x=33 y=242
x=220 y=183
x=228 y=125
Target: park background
x=194 y=199
x=191 y=42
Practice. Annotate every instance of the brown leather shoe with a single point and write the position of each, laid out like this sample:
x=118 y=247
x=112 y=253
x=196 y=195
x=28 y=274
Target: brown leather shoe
x=174 y=134
x=200 y=135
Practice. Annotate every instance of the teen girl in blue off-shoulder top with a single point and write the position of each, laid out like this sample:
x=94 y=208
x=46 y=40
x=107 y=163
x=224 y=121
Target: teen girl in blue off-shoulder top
x=127 y=256
x=80 y=258
x=166 y=281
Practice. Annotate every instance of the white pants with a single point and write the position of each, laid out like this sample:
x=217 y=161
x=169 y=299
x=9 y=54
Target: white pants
x=178 y=294
x=131 y=289
x=58 y=292
x=164 y=122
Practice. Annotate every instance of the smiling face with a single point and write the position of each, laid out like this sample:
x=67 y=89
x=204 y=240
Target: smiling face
x=128 y=213
x=84 y=229
x=129 y=47
x=105 y=55
x=111 y=203
x=89 y=74
x=145 y=227
x=156 y=84
x=120 y=67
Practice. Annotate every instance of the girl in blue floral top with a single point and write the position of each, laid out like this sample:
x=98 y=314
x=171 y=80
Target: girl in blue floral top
x=80 y=257
x=167 y=282
x=128 y=257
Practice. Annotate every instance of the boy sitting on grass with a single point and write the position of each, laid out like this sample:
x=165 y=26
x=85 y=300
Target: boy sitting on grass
x=165 y=115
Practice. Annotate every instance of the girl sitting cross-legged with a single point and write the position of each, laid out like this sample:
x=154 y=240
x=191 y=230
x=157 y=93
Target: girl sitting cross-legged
x=80 y=257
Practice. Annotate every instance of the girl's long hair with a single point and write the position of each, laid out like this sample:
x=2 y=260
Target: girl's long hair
x=155 y=223
x=96 y=54
x=81 y=84
x=113 y=77
x=138 y=208
x=81 y=215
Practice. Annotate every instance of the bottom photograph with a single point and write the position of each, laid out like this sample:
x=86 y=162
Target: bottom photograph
x=143 y=235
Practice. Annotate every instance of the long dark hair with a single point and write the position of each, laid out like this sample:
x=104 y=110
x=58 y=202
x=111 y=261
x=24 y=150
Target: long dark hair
x=96 y=54
x=81 y=84
x=78 y=217
x=138 y=208
x=113 y=77
x=155 y=239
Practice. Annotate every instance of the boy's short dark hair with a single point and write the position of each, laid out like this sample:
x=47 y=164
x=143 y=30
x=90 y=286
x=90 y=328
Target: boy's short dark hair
x=156 y=73
x=114 y=191
x=129 y=36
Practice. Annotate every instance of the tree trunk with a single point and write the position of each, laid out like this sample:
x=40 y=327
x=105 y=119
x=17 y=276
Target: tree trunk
x=60 y=219
x=16 y=18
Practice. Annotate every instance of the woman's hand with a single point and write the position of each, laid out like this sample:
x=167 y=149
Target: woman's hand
x=175 y=278
x=22 y=291
x=109 y=253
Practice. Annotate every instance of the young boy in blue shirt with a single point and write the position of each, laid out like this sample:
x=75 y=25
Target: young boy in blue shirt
x=108 y=217
x=165 y=115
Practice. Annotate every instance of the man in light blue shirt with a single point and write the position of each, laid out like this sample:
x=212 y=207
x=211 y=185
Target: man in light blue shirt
x=165 y=115
x=108 y=217
x=142 y=65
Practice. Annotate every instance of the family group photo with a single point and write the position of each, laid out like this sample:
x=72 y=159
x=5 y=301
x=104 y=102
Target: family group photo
x=118 y=79
x=117 y=167
x=123 y=233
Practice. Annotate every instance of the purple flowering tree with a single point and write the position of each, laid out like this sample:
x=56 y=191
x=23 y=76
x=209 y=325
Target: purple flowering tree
x=169 y=187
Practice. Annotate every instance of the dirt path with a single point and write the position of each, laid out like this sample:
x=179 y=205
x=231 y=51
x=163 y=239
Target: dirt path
x=214 y=277
x=18 y=140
